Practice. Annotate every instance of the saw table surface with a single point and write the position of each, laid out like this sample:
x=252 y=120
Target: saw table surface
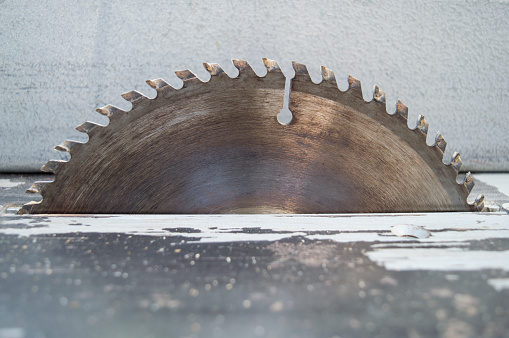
x=348 y=275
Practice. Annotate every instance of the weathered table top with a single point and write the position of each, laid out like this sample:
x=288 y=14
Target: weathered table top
x=252 y=275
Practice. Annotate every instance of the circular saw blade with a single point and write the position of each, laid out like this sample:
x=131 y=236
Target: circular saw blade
x=217 y=147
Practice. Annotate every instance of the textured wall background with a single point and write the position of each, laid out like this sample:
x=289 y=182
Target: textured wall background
x=62 y=59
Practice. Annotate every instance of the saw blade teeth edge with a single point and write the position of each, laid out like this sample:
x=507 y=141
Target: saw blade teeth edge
x=134 y=96
x=109 y=110
x=402 y=110
x=328 y=76
x=478 y=203
x=456 y=162
x=88 y=127
x=213 y=68
x=27 y=208
x=422 y=124
x=378 y=95
x=158 y=84
x=301 y=70
x=244 y=68
x=271 y=65
x=188 y=77
x=440 y=142
x=68 y=146
x=468 y=182
x=37 y=187
x=354 y=86
x=53 y=166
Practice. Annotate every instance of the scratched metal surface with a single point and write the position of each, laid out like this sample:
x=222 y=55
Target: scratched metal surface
x=217 y=147
x=253 y=275
x=494 y=186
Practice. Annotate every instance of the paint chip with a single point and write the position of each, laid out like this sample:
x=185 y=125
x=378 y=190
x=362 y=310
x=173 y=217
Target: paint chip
x=499 y=284
x=415 y=231
x=7 y=183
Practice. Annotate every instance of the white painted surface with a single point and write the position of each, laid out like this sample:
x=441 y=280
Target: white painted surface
x=499 y=284
x=60 y=60
x=405 y=230
x=447 y=259
x=444 y=227
x=450 y=231
x=7 y=183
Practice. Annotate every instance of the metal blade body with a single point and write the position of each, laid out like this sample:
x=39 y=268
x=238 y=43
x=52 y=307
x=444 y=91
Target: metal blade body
x=217 y=147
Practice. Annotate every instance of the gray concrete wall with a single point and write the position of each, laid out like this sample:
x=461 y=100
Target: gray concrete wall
x=61 y=59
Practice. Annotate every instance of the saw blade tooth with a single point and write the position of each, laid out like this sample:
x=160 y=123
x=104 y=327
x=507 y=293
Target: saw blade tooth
x=354 y=86
x=52 y=166
x=440 y=142
x=271 y=65
x=213 y=68
x=378 y=95
x=67 y=146
x=328 y=75
x=422 y=124
x=158 y=84
x=87 y=127
x=468 y=182
x=244 y=68
x=109 y=110
x=402 y=109
x=37 y=187
x=27 y=208
x=188 y=77
x=456 y=162
x=301 y=71
x=134 y=96
x=479 y=203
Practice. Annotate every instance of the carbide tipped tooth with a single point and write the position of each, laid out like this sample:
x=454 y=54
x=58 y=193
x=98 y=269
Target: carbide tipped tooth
x=133 y=96
x=440 y=142
x=213 y=68
x=187 y=76
x=378 y=95
x=52 y=166
x=243 y=67
x=468 y=182
x=328 y=75
x=300 y=70
x=422 y=124
x=60 y=147
x=36 y=188
x=157 y=84
x=67 y=146
x=401 y=109
x=479 y=203
x=87 y=127
x=456 y=162
x=109 y=110
x=271 y=65
x=354 y=86
x=27 y=208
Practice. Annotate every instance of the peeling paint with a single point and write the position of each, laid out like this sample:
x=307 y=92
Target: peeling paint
x=447 y=259
x=415 y=231
x=499 y=284
x=7 y=183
